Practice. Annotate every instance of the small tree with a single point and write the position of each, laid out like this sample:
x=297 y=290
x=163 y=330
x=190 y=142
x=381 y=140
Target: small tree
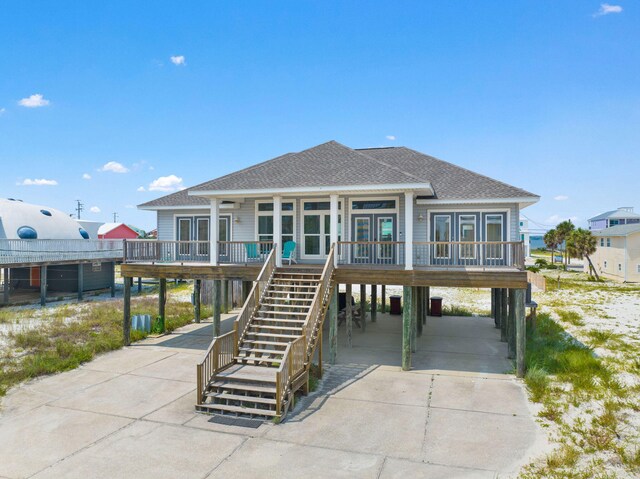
x=581 y=244
x=551 y=241
x=563 y=230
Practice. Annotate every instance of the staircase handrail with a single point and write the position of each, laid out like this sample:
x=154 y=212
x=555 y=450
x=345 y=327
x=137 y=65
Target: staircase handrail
x=241 y=323
x=218 y=357
x=315 y=312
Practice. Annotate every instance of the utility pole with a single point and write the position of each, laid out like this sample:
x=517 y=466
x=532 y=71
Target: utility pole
x=79 y=208
x=115 y=217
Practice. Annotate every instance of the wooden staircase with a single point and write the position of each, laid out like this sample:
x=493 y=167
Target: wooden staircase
x=254 y=370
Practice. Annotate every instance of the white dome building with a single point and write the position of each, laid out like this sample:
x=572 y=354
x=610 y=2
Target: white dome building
x=19 y=220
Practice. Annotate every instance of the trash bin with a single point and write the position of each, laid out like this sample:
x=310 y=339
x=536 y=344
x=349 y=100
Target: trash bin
x=395 y=306
x=436 y=306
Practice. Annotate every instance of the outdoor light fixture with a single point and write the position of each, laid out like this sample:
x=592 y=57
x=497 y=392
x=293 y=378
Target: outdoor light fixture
x=421 y=217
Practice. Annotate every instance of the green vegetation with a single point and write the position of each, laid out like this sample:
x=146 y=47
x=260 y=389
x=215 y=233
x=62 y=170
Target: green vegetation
x=570 y=317
x=72 y=335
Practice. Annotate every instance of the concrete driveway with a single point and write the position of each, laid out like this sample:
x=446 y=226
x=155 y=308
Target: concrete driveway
x=130 y=414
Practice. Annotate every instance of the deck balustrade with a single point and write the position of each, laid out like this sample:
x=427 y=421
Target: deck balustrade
x=34 y=251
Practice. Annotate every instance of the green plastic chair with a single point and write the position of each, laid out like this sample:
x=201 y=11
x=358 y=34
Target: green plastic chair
x=288 y=251
x=253 y=254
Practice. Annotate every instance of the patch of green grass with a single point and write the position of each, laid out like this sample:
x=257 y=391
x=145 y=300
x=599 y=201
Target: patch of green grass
x=570 y=317
x=453 y=310
x=600 y=337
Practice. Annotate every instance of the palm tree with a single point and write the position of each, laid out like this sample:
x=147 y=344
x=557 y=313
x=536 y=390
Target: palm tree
x=581 y=243
x=563 y=230
x=551 y=241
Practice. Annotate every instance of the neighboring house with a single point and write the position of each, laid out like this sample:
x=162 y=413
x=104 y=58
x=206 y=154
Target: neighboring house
x=618 y=253
x=117 y=231
x=622 y=216
x=44 y=249
x=525 y=237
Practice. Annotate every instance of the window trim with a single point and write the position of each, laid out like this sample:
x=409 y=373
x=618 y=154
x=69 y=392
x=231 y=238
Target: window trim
x=451 y=220
x=461 y=222
x=322 y=234
x=293 y=213
x=491 y=250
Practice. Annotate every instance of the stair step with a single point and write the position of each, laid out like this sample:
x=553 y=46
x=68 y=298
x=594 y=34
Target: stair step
x=258 y=350
x=287 y=273
x=296 y=286
x=279 y=320
x=238 y=409
x=268 y=343
x=258 y=359
x=297 y=300
x=280 y=305
x=256 y=388
x=276 y=328
x=239 y=397
x=284 y=313
x=273 y=335
x=285 y=294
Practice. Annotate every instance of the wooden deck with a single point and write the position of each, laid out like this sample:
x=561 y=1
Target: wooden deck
x=470 y=276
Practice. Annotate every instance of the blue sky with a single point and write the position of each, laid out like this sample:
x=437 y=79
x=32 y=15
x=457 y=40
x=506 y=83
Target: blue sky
x=544 y=95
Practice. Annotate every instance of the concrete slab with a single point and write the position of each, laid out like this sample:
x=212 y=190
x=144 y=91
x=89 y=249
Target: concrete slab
x=477 y=394
x=482 y=365
x=461 y=327
x=265 y=458
x=176 y=412
x=403 y=469
x=388 y=387
x=23 y=399
x=178 y=367
x=478 y=440
x=127 y=396
x=70 y=382
x=148 y=450
x=127 y=359
x=202 y=421
x=31 y=442
x=360 y=426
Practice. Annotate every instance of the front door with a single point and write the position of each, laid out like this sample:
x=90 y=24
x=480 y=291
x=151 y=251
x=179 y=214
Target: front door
x=316 y=234
x=367 y=228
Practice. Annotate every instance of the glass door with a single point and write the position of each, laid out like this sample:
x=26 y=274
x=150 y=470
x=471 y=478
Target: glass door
x=202 y=234
x=385 y=253
x=184 y=234
x=224 y=235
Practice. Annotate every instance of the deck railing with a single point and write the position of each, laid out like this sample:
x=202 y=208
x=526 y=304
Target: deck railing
x=160 y=251
x=371 y=252
x=219 y=356
x=30 y=251
x=243 y=252
x=455 y=254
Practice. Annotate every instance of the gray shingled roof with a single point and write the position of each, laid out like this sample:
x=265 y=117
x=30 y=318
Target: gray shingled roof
x=333 y=164
x=615 y=214
x=619 y=230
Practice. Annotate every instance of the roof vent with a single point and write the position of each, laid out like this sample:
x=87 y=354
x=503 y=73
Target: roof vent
x=626 y=208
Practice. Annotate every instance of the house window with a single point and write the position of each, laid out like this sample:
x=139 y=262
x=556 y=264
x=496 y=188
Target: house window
x=619 y=267
x=374 y=205
x=638 y=268
x=442 y=235
x=264 y=218
x=608 y=242
x=467 y=226
x=316 y=228
x=605 y=265
x=495 y=233
x=602 y=242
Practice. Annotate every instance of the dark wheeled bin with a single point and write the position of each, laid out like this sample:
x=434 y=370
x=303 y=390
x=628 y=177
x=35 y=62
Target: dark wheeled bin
x=395 y=305
x=436 y=306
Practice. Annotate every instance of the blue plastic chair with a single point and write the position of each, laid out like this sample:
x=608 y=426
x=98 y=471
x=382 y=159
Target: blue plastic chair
x=253 y=253
x=288 y=251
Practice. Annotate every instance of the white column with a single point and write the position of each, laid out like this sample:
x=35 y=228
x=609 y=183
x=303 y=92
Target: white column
x=277 y=228
x=408 y=230
x=214 y=224
x=333 y=225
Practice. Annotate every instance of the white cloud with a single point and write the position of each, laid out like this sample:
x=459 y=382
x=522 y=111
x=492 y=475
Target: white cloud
x=86 y=176
x=606 y=9
x=2 y=110
x=555 y=219
x=178 y=60
x=391 y=137
x=561 y=197
x=37 y=182
x=141 y=188
x=34 y=101
x=166 y=183
x=94 y=209
x=114 y=167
